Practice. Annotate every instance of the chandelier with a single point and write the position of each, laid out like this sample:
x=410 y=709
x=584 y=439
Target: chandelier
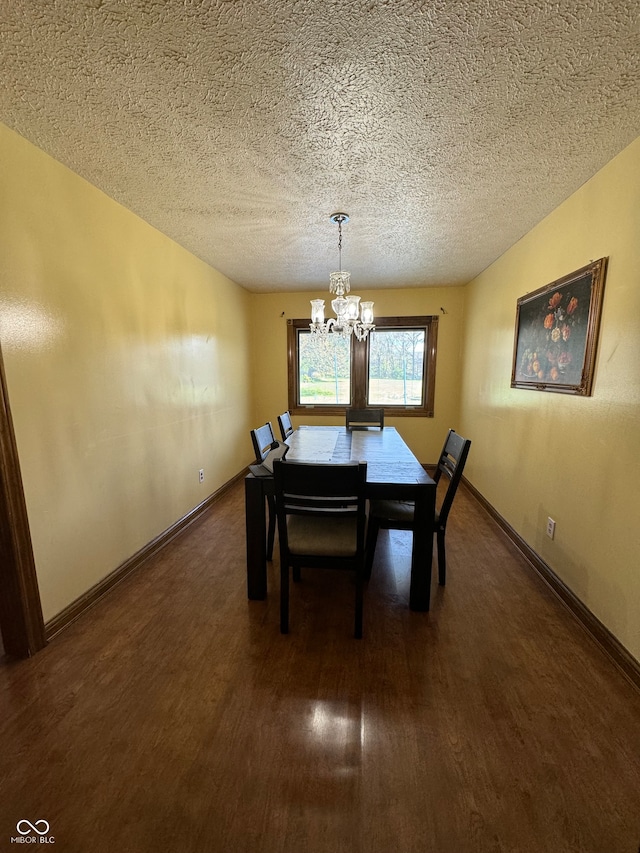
x=346 y=308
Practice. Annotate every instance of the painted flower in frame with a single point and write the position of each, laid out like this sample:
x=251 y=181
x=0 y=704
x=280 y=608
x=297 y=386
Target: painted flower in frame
x=549 y=356
x=555 y=300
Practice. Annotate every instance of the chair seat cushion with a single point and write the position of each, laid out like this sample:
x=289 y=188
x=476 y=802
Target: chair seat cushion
x=393 y=510
x=324 y=537
x=398 y=511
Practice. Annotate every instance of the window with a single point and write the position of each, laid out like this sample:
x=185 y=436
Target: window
x=324 y=372
x=394 y=368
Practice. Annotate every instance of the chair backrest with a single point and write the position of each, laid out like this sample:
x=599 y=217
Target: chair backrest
x=325 y=490
x=286 y=427
x=321 y=523
x=451 y=465
x=363 y=418
x=262 y=439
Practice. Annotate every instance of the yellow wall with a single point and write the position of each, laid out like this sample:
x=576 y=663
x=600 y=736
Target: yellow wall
x=269 y=333
x=576 y=459
x=126 y=374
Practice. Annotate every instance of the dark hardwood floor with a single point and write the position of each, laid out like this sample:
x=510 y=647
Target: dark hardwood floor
x=174 y=716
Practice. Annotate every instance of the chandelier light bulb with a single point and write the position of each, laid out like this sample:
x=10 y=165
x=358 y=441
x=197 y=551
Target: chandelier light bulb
x=366 y=309
x=317 y=311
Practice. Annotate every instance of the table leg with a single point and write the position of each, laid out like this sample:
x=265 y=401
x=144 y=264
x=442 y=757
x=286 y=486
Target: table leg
x=256 y=538
x=422 y=553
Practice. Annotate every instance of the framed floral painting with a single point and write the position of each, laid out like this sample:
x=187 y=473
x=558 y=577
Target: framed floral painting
x=557 y=331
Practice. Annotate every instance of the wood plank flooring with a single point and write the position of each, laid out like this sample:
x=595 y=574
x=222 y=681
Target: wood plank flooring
x=175 y=717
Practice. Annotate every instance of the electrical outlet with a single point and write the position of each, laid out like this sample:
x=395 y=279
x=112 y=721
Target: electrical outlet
x=201 y=475
x=551 y=528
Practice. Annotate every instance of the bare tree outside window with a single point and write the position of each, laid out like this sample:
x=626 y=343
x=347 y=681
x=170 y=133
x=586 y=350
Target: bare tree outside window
x=396 y=367
x=324 y=370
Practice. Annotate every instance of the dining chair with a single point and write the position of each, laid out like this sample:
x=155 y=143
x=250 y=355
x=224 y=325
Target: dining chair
x=364 y=418
x=286 y=427
x=262 y=439
x=321 y=524
x=398 y=515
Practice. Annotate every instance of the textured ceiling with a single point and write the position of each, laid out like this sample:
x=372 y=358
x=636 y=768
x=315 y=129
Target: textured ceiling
x=445 y=129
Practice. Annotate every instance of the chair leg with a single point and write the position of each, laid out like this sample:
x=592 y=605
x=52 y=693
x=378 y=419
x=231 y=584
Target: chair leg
x=442 y=559
x=271 y=533
x=284 y=598
x=370 y=547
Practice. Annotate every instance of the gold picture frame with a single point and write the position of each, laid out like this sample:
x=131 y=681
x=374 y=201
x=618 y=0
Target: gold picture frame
x=557 y=333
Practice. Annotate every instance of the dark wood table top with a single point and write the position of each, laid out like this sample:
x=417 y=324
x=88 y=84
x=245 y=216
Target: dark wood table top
x=389 y=460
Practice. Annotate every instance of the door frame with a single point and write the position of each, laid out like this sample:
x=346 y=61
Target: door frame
x=21 y=621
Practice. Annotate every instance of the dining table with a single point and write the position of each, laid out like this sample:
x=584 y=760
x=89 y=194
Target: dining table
x=393 y=473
